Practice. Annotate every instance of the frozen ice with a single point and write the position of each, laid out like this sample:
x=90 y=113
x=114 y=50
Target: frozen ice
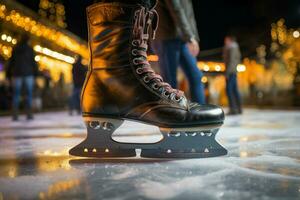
x=263 y=162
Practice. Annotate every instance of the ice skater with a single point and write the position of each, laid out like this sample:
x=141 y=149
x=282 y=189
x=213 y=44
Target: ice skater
x=121 y=85
x=232 y=57
x=22 y=69
x=177 y=44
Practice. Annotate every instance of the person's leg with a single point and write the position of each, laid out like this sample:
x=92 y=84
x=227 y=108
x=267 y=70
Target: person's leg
x=17 y=85
x=188 y=64
x=236 y=94
x=171 y=55
x=29 y=82
x=168 y=52
x=230 y=94
x=158 y=48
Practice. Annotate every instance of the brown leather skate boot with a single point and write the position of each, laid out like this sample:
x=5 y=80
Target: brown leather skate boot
x=121 y=85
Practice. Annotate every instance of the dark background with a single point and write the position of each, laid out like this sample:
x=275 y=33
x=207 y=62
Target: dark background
x=249 y=20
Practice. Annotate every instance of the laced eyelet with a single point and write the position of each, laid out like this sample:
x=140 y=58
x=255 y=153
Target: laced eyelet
x=177 y=99
x=139 y=70
x=155 y=86
x=134 y=52
x=165 y=94
x=135 y=61
x=146 y=79
x=134 y=43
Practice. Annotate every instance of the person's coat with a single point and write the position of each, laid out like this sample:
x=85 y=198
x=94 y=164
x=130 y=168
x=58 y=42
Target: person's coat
x=22 y=62
x=232 y=57
x=176 y=20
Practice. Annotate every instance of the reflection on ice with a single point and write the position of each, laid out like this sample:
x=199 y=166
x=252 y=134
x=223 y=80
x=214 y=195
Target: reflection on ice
x=263 y=162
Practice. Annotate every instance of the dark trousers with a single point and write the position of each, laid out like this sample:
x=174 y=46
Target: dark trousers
x=233 y=94
x=75 y=100
x=17 y=86
x=174 y=53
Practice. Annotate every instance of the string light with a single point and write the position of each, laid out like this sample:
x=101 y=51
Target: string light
x=206 y=68
x=8 y=38
x=40 y=30
x=241 y=68
x=54 y=54
x=217 y=68
x=5 y=51
x=204 y=79
x=296 y=34
x=55 y=67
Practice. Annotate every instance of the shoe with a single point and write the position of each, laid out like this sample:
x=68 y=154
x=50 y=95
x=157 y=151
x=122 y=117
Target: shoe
x=121 y=85
x=29 y=117
x=240 y=111
x=232 y=112
x=15 y=115
x=15 y=118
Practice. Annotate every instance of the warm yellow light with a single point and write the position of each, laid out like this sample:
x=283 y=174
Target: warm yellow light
x=86 y=150
x=153 y=58
x=54 y=54
x=206 y=68
x=3 y=36
x=241 y=68
x=37 y=58
x=296 y=34
x=204 y=79
x=218 y=68
x=243 y=154
x=9 y=39
x=14 y=41
x=37 y=48
x=94 y=150
x=2 y=7
x=5 y=51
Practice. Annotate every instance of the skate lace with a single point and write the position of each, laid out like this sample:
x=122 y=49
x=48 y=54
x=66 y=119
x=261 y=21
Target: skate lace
x=144 y=20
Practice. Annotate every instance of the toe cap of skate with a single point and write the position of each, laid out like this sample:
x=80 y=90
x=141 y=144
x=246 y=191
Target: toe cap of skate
x=206 y=114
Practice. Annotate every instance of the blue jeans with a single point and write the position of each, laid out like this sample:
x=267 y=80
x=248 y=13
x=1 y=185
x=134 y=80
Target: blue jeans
x=17 y=86
x=233 y=94
x=174 y=53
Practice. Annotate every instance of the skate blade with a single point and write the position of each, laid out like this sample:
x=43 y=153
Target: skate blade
x=101 y=153
x=174 y=143
x=183 y=154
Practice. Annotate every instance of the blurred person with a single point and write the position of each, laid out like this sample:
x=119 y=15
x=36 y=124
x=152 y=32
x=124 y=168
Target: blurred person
x=22 y=70
x=232 y=57
x=78 y=73
x=177 y=44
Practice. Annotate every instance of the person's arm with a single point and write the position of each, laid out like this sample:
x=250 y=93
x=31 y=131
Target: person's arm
x=180 y=18
x=34 y=63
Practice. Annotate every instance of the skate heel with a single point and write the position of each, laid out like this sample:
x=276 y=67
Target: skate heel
x=98 y=142
x=191 y=144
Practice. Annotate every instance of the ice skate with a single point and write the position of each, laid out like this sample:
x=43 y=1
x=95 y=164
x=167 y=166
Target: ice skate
x=121 y=85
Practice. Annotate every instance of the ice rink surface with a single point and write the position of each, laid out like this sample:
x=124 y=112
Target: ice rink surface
x=263 y=162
